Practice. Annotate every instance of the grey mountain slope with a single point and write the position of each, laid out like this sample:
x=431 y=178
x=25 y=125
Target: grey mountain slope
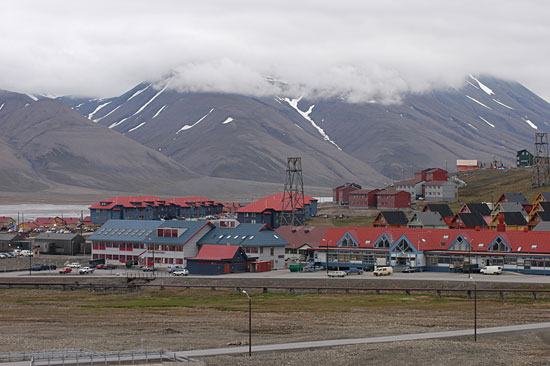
x=425 y=130
x=254 y=146
x=47 y=147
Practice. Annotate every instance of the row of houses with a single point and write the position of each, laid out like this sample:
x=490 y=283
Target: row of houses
x=46 y=243
x=424 y=249
x=163 y=243
x=429 y=184
x=41 y=224
x=512 y=211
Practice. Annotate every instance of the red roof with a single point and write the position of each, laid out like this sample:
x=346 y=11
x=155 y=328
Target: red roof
x=273 y=202
x=440 y=239
x=297 y=236
x=408 y=181
x=216 y=252
x=127 y=201
x=44 y=221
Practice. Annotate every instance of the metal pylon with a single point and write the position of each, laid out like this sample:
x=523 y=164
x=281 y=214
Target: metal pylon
x=541 y=172
x=293 y=195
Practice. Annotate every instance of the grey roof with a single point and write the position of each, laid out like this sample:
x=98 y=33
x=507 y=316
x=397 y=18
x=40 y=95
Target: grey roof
x=55 y=236
x=246 y=235
x=514 y=218
x=544 y=215
x=511 y=207
x=430 y=218
x=545 y=195
x=516 y=197
x=480 y=208
x=545 y=206
x=395 y=217
x=542 y=226
x=442 y=208
x=125 y=230
x=8 y=237
x=472 y=219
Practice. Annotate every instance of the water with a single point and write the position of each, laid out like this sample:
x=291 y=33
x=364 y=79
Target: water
x=31 y=211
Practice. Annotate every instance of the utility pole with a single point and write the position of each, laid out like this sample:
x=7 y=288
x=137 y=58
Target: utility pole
x=541 y=172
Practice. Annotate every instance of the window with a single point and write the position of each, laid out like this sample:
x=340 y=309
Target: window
x=534 y=246
x=261 y=250
x=519 y=249
x=272 y=251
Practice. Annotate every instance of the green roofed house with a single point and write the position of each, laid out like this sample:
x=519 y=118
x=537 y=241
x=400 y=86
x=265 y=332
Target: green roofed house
x=524 y=158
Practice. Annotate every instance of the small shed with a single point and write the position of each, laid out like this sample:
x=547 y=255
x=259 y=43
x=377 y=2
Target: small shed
x=57 y=243
x=524 y=158
x=218 y=259
x=8 y=242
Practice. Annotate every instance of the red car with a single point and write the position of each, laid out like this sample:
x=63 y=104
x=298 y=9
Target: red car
x=99 y=266
x=65 y=270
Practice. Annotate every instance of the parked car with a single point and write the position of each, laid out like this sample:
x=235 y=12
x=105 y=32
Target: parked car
x=147 y=268
x=496 y=270
x=411 y=269
x=99 y=266
x=74 y=265
x=37 y=267
x=181 y=272
x=86 y=270
x=65 y=270
x=383 y=271
x=109 y=266
x=26 y=253
x=175 y=267
x=354 y=270
x=2 y=256
x=337 y=274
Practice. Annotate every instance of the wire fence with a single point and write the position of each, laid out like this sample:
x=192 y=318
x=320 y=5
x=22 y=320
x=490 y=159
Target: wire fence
x=85 y=357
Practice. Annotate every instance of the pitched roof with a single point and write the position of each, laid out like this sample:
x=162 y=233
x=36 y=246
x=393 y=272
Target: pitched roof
x=480 y=208
x=126 y=201
x=472 y=219
x=511 y=207
x=514 y=218
x=514 y=197
x=542 y=226
x=273 y=202
x=395 y=217
x=443 y=209
x=246 y=235
x=8 y=237
x=544 y=205
x=55 y=236
x=125 y=230
x=217 y=252
x=545 y=196
x=297 y=236
x=430 y=218
x=544 y=215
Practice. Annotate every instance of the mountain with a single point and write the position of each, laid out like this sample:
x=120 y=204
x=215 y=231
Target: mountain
x=236 y=136
x=48 y=147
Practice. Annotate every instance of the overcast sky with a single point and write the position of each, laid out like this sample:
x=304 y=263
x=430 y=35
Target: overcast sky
x=362 y=50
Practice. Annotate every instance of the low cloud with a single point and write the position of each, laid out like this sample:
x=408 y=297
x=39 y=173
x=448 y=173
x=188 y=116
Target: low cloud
x=359 y=51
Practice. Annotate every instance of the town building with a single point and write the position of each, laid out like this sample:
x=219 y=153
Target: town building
x=388 y=199
x=468 y=221
x=394 y=219
x=58 y=243
x=269 y=210
x=465 y=165
x=8 y=242
x=152 y=208
x=515 y=197
x=427 y=220
x=524 y=158
x=341 y=193
x=363 y=198
x=216 y=259
x=443 y=191
x=442 y=208
x=441 y=250
x=300 y=240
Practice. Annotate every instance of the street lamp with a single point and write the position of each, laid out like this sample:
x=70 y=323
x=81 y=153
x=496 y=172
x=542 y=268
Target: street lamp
x=475 y=308
x=327 y=253
x=249 y=323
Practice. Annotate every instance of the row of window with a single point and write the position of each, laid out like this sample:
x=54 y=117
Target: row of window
x=255 y=250
x=132 y=246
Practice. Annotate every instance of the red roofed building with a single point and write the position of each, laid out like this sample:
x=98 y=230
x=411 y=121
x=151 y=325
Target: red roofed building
x=268 y=210
x=363 y=198
x=218 y=259
x=152 y=208
x=393 y=199
x=441 y=250
x=341 y=193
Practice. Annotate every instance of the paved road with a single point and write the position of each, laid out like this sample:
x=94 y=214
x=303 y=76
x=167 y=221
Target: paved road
x=344 y=342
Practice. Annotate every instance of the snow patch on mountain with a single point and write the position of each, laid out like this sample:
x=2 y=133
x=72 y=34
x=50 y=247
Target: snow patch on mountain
x=489 y=123
x=186 y=127
x=113 y=125
x=475 y=128
x=298 y=126
x=502 y=104
x=138 y=92
x=160 y=110
x=90 y=116
x=2 y=106
x=472 y=84
x=534 y=126
x=483 y=87
x=150 y=100
x=138 y=126
x=108 y=114
x=228 y=120
x=31 y=96
x=294 y=104
x=478 y=102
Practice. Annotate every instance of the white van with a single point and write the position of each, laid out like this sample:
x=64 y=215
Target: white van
x=496 y=270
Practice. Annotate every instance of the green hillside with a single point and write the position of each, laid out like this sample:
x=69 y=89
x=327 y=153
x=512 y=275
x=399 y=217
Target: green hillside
x=486 y=185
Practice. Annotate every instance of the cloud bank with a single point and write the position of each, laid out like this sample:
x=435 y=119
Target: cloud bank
x=359 y=50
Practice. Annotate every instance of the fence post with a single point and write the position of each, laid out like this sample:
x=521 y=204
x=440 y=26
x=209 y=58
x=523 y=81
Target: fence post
x=534 y=295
